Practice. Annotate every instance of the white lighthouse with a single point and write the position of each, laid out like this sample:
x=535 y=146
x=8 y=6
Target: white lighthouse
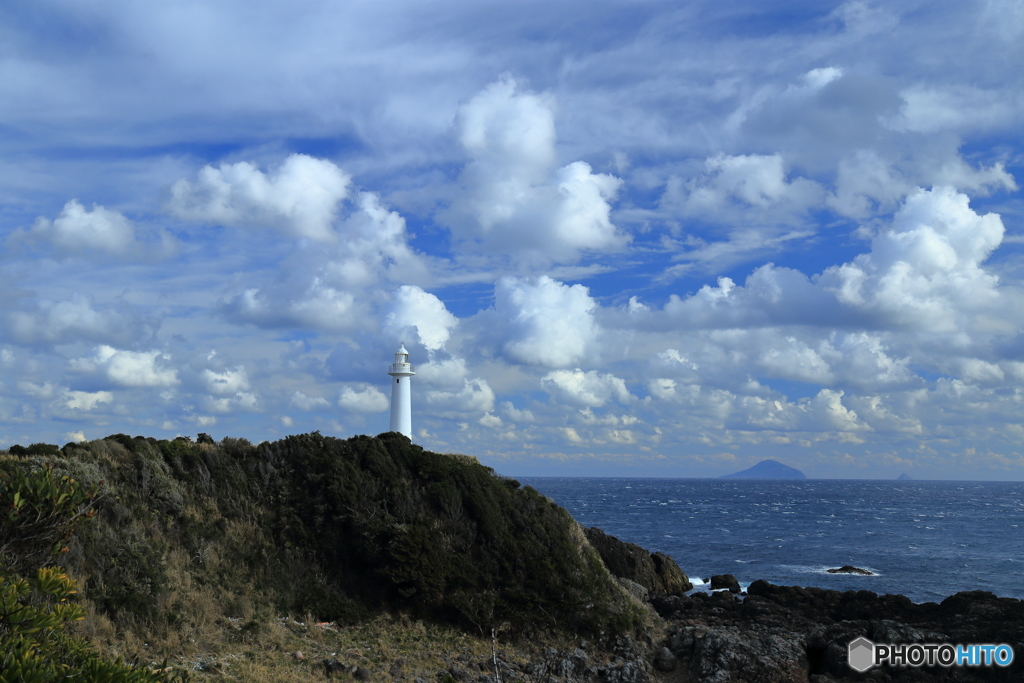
x=401 y=396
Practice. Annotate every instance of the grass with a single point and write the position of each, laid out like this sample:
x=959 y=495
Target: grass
x=198 y=549
x=264 y=649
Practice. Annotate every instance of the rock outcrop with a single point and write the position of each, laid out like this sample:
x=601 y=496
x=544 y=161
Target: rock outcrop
x=725 y=581
x=790 y=634
x=850 y=569
x=656 y=572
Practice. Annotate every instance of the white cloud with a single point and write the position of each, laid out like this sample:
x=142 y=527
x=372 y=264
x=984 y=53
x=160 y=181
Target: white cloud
x=368 y=399
x=227 y=382
x=662 y=387
x=300 y=197
x=130 y=368
x=331 y=287
x=449 y=373
x=319 y=306
x=516 y=415
x=513 y=201
x=926 y=269
x=753 y=180
x=476 y=396
x=490 y=421
x=930 y=109
x=40 y=391
x=303 y=401
x=867 y=183
x=824 y=412
x=923 y=273
x=413 y=307
x=77 y=437
x=977 y=370
x=77 y=229
x=78 y=319
x=795 y=361
x=862 y=359
x=85 y=400
x=545 y=322
x=242 y=400
x=585 y=388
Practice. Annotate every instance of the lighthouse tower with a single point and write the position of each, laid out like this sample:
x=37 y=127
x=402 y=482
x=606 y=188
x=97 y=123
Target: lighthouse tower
x=401 y=396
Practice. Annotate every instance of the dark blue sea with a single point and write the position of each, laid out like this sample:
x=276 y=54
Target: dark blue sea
x=924 y=539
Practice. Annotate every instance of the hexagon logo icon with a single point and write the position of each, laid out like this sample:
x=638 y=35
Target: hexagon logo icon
x=861 y=654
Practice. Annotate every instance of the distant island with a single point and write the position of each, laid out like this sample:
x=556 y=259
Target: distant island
x=768 y=469
x=904 y=477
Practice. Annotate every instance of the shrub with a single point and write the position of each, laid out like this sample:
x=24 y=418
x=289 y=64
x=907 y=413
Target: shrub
x=35 y=610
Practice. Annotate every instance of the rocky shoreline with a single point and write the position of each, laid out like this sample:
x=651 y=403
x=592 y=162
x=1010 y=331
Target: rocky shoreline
x=792 y=634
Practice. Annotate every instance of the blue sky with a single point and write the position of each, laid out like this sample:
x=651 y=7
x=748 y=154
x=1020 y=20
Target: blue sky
x=618 y=238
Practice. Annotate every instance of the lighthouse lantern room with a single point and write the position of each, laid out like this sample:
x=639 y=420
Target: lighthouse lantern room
x=401 y=395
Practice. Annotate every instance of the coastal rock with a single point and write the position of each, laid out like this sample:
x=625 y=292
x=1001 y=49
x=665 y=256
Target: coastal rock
x=635 y=589
x=656 y=572
x=668 y=605
x=850 y=569
x=789 y=634
x=673 y=579
x=720 y=581
x=665 y=661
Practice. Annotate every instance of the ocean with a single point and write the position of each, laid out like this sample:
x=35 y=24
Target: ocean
x=923 y=539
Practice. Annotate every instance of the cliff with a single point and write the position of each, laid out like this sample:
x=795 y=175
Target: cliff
x=338 y=529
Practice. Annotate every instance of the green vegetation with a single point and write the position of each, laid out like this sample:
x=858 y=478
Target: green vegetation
x=198 y=544
x=36 y=514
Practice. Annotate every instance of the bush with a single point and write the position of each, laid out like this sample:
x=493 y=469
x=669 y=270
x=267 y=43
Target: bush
x=35 y=610
x=38 y=513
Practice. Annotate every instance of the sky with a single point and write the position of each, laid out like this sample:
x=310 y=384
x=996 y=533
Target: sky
x=619 y=238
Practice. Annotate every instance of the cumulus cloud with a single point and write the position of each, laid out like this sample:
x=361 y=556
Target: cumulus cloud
x=862 y=359
x=922 y=273
x=476 y=396
x=795 y=360
x=86 y=400
x=78 y=318
x=242 y=400
x=824 y=412
x=130 y=368
x=366 y=399
x=926 y=269
x=448 y=373
x=412 y=307
x=512 y=413
x=589 y=388
x=78 y=229
x=329 y=287
x=513 y=198
x=545 y=322
x=227 y=382
x=318 y=306
x=865 y=184
x=305 y=402
x=300 y=197
x=751 y=181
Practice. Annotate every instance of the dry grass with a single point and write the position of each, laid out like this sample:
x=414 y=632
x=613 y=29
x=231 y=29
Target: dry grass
x=233 y=649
